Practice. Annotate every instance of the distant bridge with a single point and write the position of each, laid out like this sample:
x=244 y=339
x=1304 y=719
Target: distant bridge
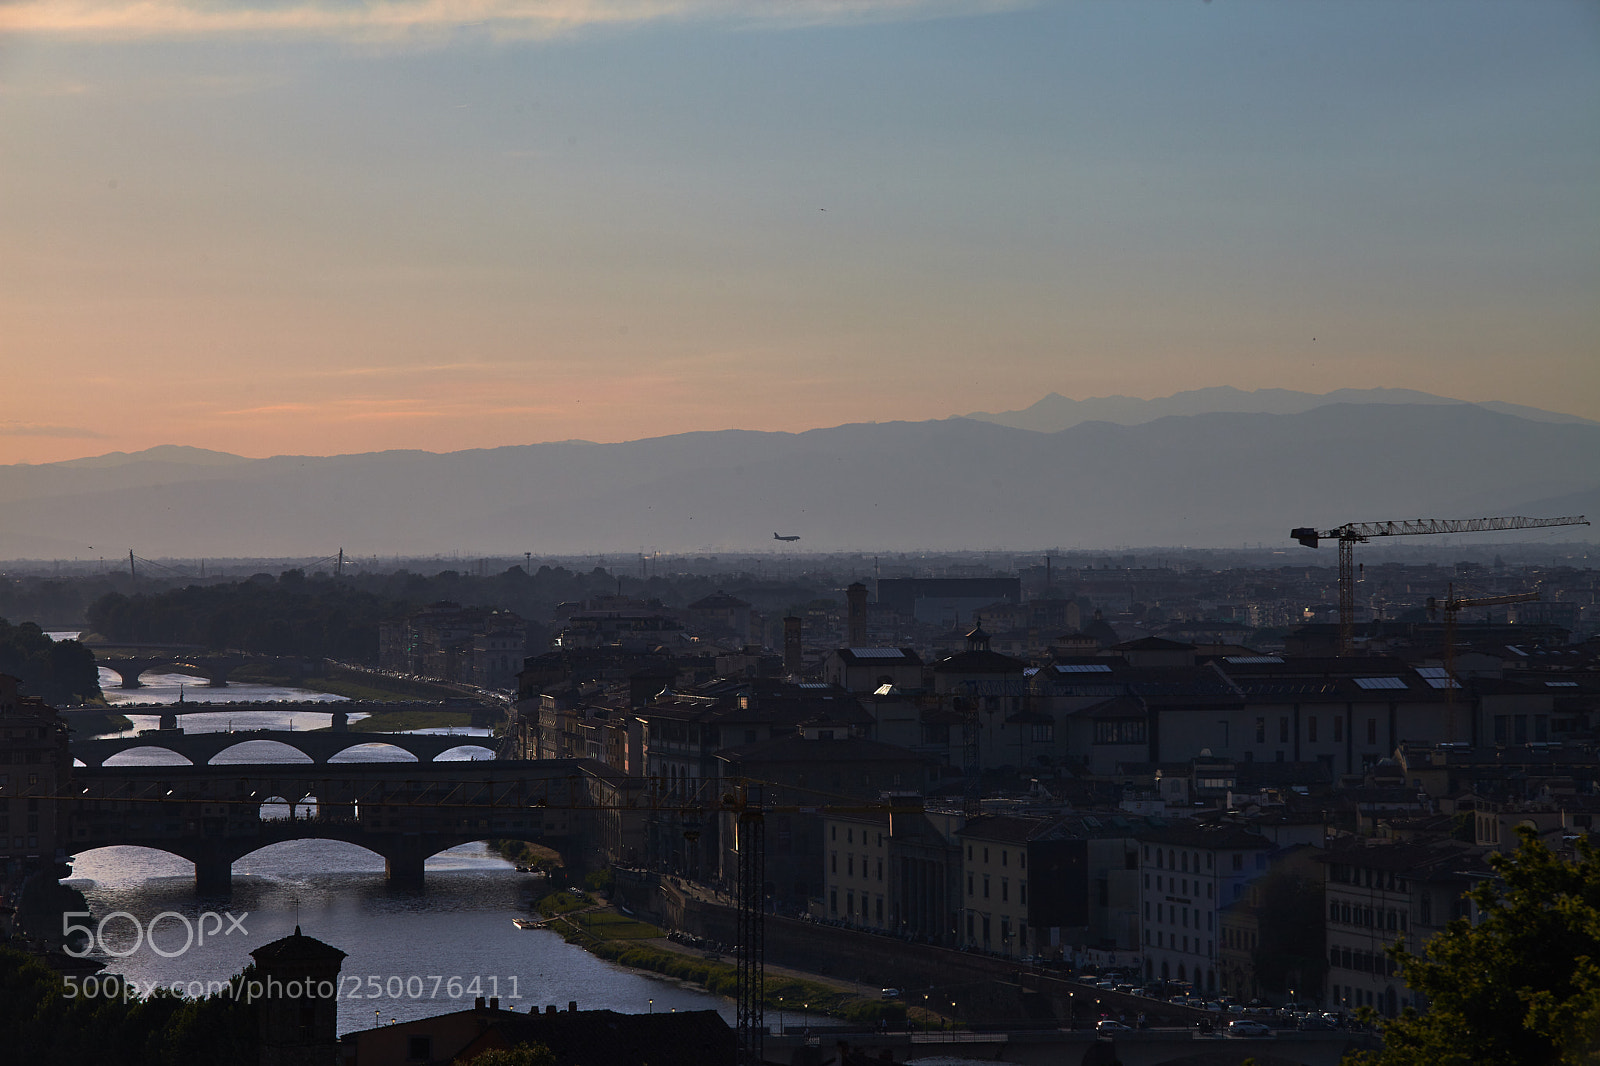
x=405 y=812
x=216 y=669
x=319 y=746
x=334 y=707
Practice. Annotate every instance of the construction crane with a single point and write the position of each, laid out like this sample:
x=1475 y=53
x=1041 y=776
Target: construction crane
x=1352 y=533
x=1452 y=606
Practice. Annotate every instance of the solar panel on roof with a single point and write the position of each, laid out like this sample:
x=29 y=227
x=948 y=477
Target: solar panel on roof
x=1443 y=682
x=1243 y=660
x=1561 y=684
x=877 y=653
x=1432 y=671
x=1380 y=682
x=1084 y=668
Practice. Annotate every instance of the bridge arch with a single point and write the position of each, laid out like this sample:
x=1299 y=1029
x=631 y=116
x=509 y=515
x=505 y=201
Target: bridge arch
x=127 y=757
x=356 y=750
x=468 y=752
x=132 y=668
x=171 y=858
x=282 y=809
x=259 y=856
x=259 y=750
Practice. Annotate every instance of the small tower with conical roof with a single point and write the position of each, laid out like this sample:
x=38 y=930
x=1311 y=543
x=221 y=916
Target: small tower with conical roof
x=299 y=1009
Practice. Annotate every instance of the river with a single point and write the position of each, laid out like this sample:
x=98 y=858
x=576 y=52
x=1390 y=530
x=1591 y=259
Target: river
x=458 y=929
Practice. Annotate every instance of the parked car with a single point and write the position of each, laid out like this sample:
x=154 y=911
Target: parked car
x=1111 y=1025
x=1246 y=1027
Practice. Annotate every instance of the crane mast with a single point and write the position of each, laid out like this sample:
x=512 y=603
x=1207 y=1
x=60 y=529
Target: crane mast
x=1452 y=605
x=1352 y=533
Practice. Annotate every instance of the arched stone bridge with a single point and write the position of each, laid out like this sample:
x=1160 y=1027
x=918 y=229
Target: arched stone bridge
x=405 y=812
x=319 y=746
x=214 y=668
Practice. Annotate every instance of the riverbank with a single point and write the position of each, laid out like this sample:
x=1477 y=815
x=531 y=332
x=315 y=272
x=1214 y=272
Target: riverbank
x=603 y=931
x=350 y=683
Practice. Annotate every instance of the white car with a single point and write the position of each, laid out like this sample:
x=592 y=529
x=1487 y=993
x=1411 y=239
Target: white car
x=1111 y=1025
x=1246 y=1027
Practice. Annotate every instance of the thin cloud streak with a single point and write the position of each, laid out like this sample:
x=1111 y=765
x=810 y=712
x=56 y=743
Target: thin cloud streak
x=34 y=429
x=389 y=19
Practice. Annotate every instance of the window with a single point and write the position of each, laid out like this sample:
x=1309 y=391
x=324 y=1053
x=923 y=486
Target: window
x=1005 y=890
x=985 y=886
x=1238 y=862
x=1338 y=728
x=1044 y=732
x=1022 y=860
x=1261 y=730
x=1311 y=729
x=1372 y=730
x=1120 y=731
x=419 y=1048
x=1022 y=897
x=969 y=884
x=1283 y=730
x=1005 y=857
x=834 y=862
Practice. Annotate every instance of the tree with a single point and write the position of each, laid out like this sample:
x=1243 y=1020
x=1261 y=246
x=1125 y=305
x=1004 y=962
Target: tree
x=521 y=1055
x=1519 y=988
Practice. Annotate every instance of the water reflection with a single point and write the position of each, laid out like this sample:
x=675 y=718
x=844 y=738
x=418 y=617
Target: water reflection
x=459 y=925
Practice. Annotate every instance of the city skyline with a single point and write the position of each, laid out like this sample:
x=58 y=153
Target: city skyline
x=318 y=228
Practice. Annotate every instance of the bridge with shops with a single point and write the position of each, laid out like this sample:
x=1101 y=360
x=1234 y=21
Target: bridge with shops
x=319 y=745
x=212 y=815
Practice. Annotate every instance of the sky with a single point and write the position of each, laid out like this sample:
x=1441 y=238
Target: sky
x=323 y=226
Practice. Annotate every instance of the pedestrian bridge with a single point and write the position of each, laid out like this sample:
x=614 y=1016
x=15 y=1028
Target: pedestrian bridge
x=319 y=746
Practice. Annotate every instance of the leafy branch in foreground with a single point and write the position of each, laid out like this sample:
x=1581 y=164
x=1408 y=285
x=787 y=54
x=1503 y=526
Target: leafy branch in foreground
x=1519 y=988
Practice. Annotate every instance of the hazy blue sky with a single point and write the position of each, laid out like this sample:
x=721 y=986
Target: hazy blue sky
x=325 y=226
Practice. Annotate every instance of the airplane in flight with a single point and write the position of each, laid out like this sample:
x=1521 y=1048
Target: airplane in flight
x=777 y=537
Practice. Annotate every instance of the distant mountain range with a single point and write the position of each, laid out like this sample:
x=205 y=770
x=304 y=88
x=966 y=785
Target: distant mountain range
x=1198 y=479
x=1056 y=412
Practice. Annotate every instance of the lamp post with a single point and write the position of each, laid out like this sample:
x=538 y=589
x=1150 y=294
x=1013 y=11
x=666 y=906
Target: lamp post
x=1072 y=1015
x=652 y=1006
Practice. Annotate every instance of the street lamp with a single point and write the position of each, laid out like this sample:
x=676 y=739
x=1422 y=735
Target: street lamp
x=652 y=1006
x=1072 y=1015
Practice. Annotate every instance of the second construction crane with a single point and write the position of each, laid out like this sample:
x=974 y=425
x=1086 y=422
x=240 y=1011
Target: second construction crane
x=1352 y=533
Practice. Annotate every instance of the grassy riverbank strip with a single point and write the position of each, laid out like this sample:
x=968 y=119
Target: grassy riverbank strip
x=608 y=934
